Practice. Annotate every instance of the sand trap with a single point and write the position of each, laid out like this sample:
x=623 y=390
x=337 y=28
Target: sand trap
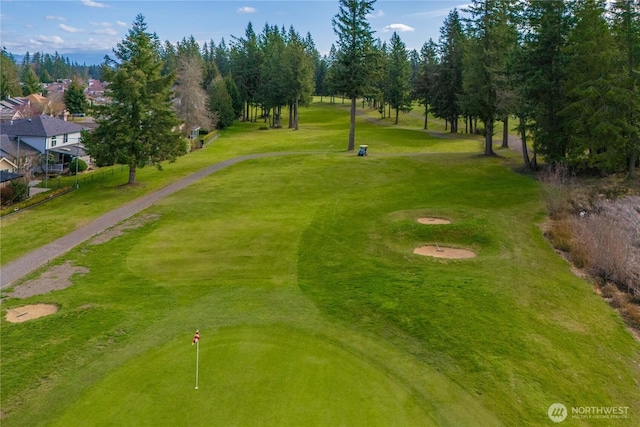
x=28 y=312
x=434 y=221
x=444 y=252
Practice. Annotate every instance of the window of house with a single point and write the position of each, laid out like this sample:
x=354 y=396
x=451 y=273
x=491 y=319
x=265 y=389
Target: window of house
x=66 y=138
x=53 y=141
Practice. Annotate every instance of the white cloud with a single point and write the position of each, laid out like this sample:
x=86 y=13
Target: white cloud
x=106 y=31
x=54 y=40
x=91 y=3
x=440 y=13
x=101 y=24
x=247 y=9
x=122 y=24
x=55 y=18
x=378 y=14
x=398 y=27
x=70 y=29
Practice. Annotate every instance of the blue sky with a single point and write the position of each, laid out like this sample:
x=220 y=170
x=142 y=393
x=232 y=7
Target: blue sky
x=95 y=26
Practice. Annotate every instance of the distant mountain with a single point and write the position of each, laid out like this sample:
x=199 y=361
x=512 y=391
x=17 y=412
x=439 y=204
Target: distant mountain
x=82 y=58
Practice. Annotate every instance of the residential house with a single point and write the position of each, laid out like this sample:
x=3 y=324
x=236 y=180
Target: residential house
x=38 y=103
x=60 y=86
x=16 y=155
x=6 y=177
x=14 y=109
x=95 y=88
x=47 y=135
x=95 y=92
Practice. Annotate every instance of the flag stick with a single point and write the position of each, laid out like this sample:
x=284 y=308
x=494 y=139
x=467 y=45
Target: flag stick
x=197 y=360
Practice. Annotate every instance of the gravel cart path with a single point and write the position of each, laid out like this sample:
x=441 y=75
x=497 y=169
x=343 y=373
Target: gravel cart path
x=32 y=261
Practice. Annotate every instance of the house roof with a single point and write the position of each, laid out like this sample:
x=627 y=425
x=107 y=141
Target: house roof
x=36 y=98
x=9 y=148
x=8 y=176
x=3 y=159
x=13 y=102
x=10 y=113
x=42 y=126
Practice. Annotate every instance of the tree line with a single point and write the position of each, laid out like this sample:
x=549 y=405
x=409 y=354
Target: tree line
x=566 y=72
x=254 y=77
x=36 y=69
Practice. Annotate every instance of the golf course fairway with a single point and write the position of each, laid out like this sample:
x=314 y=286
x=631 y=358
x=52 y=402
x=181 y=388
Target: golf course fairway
x=299 y=271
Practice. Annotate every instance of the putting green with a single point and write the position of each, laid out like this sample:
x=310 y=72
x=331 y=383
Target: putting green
x=248 y=376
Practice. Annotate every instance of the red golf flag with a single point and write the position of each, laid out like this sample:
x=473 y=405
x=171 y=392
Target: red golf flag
x=196 y=338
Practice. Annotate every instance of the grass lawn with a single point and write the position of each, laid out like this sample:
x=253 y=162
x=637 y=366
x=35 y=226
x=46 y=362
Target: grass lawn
x=299 y=272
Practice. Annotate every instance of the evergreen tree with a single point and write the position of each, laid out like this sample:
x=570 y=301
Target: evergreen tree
x=9 y=81
x=598 y=102
x=545 y=75
x=245 y=61
x=138 y=127
x=210 y=68
x=626 y=31
x=448 y=87
x=169 y=56
x=273 y=73
x=221 y=58
x=236 y=98
x=220 y=103
x=492 y=40
x=379 y=87
x=414 y=61
x=298 y=59
x=322 y=69
x=424 y=87
x=31 y=83
x=522 y=106
x=74 y=98
x=355 y=43
x=398 y=76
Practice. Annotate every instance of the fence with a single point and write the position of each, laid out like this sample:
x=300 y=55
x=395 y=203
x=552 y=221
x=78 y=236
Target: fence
x=60 y=186
x=101 y=175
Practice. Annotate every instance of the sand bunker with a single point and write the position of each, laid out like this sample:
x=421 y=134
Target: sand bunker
x=28 y=312
x=434 y=221
x=444 y=252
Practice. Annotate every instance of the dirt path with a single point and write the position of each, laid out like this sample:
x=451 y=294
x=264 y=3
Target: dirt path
x=39 y=257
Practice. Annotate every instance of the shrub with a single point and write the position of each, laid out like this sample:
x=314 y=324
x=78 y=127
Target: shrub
x=6 y=195
x=561 y=235
x=37 y=199
x=82 y=166
x=579 y=255
x=619 y=300
x=608 y=243
x=20 y=190
x=631 y=313
x=609 y=290
x=558 y=185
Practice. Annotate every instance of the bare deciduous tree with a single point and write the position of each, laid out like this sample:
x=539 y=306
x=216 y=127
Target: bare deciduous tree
x=192 y=98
